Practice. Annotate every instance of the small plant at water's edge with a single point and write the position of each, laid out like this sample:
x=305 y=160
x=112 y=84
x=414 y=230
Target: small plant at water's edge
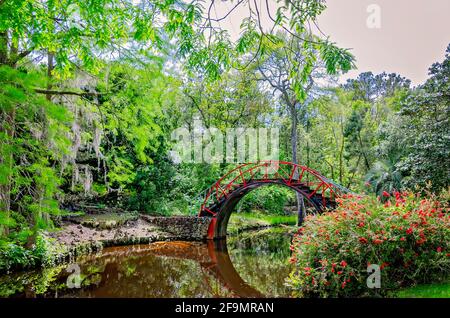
x=45 y=252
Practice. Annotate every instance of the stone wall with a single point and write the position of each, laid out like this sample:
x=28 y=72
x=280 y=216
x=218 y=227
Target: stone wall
x=183 y=227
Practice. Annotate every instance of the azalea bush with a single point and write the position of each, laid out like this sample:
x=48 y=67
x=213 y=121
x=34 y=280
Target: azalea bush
x=407 y=236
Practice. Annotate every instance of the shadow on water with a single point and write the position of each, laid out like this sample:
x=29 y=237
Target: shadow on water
x=253 y=264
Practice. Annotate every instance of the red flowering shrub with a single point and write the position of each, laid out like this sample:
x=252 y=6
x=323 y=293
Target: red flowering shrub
x=408 y=237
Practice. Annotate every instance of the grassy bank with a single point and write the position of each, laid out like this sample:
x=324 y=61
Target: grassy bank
x=274 y=219
x=240 y=222
x=439 y=290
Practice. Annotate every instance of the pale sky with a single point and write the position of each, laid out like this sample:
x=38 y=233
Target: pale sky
x=413 y=34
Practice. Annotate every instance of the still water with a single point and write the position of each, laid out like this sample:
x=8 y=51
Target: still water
x=251 y=264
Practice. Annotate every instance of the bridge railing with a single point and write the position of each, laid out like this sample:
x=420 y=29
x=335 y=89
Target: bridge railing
x=289 y=172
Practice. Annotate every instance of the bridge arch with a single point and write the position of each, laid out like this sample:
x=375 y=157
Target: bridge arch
x=222 y=197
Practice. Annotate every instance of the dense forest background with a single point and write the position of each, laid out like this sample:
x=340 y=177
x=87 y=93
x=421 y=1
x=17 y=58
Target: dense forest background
x=91 y=91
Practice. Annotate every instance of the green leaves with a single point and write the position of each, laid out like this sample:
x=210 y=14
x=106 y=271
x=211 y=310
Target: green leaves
x=413 y=143
x=336 y=59
x=249 y=37
x=132 y=112
x=33 y=131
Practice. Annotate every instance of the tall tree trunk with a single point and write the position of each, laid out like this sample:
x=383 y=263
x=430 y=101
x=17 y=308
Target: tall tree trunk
x=38 y=195
x=366 y=160
x=50 y=67
x=6 y=159
x=294 y=146
x=13 y=54
x=6 y=156
x=3 y=48
x=341 y=155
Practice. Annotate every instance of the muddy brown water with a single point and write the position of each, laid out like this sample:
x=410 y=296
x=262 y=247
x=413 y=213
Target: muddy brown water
x=252 y=264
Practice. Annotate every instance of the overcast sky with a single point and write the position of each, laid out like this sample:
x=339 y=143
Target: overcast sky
x=412 y=35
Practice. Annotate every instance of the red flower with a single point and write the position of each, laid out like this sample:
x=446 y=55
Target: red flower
x=402 y=239
x=340 y=272
x=385 y=194
x=409 y=231
x=421 y=241
x=377 y=241
x=343 y=263
x=439 y=249
x=361 y=224
x=363 y=240
x=343 y=284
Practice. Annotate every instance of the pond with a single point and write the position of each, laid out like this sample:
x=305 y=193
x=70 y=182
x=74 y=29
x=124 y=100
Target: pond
x=251 y=264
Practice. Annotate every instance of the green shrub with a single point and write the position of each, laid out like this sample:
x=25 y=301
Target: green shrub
x=270 y=199
x=407 y=236
x=14 y=255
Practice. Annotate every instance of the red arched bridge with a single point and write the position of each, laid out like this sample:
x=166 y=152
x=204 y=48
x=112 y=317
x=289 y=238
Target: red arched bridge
x=222 y=197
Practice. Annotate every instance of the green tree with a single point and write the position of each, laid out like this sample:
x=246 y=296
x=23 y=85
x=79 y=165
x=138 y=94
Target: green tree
x=65 y=41
x=71 y=35
x=378 y=97
x=30 y=146
x=332 y=114
x=369 y=87
x=425 y=125
x=280 y=71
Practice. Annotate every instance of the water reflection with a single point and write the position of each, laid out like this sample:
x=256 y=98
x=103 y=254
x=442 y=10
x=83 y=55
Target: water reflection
x=253 y=264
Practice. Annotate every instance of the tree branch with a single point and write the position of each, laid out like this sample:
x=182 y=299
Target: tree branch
x=55 y=92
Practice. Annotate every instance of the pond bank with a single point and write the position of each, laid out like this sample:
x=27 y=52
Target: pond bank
x=81 y=235
x=84 y=234
x=143 y=229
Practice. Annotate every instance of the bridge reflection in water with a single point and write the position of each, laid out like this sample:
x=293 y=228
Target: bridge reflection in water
x=255 y=265
x=223 y=269
x=218 y=263
x=212 y=256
